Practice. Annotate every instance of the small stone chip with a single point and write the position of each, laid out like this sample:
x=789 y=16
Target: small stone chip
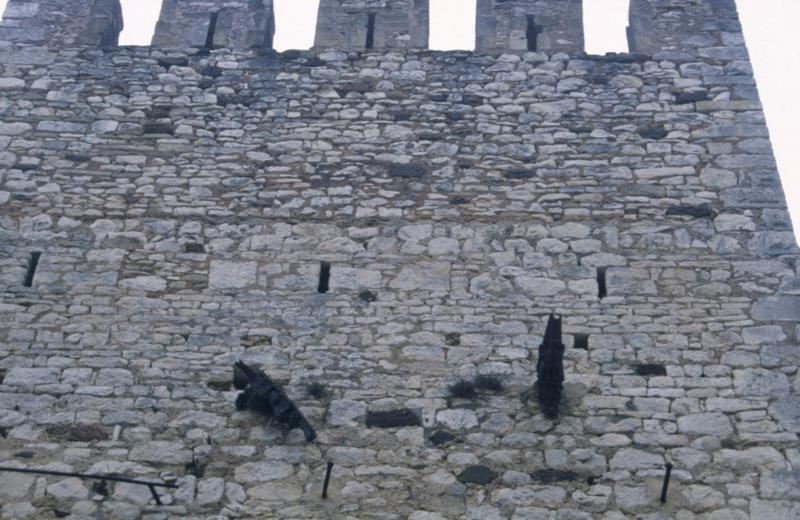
x=441 y=437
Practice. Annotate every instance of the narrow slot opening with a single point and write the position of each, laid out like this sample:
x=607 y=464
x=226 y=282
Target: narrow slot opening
x=324 y=277
x=602 y=289
x=581 y=341
x=532 y=33
x=212 y=28
x=605 y=26
x=370 y=31
x=33 y=263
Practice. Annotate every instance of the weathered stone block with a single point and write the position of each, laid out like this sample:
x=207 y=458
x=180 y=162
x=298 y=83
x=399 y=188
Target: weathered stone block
x=760 y=382
x=232 y=275
x=480 y=475
x=161 y=452
x=777 y=308
x=714 y=424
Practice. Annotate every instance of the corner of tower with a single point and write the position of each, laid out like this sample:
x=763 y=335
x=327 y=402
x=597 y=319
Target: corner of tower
x=62 y=23
x=674 y=29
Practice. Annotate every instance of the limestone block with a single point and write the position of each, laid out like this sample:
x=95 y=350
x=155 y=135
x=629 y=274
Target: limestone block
x=9 y=83
x=787 y=411
x=17 y=488
x=31 y=376
x=351 y=278
x=144 y=283
x=621 y=281
x=114 y=377
x=733 y=222
x=210 y=490
x=632 y=499
x=262 y=472
x=537 y=286
x=714 y=424
x=161 y=452
x=457 y=419
x=632 y=459
x=71 y=488
x=698 y=497
x=763 y=334
x=276 y=492
x=431 y=276
x=784 y=485
x=344 y=412
x=777 y=308
x=775 y=510
x=232 y=275
x=14 y=128
x=19 y=511
x=760 y=382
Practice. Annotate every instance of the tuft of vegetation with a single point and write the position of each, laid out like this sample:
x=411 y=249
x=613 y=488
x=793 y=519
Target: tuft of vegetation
x=463 y=389
x=489 y=382
x=317 y=390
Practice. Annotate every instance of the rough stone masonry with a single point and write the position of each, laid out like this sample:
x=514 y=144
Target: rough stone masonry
x=184 y=201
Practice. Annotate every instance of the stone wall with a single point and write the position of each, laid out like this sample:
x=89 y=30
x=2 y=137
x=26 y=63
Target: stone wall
x=184 y=200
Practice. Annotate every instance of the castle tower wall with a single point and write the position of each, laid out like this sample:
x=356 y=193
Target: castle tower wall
x=520 y=25
x=375 y=24
x=59 y=23
x=377 y=229
x=684 y=28
x=234 y=24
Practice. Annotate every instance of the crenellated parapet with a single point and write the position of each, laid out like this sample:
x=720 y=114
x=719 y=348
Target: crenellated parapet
x=63 y=23
x=529 y=25
x=671 y=29
x=373 y=24
x=235 y=24
x=686 y=28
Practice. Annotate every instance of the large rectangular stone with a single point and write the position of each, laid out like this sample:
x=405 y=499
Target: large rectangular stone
x=623 y=281
x=232 y=275
x=777 y=308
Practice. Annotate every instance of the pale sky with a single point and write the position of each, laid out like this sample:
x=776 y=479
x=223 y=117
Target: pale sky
x=770 y=27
